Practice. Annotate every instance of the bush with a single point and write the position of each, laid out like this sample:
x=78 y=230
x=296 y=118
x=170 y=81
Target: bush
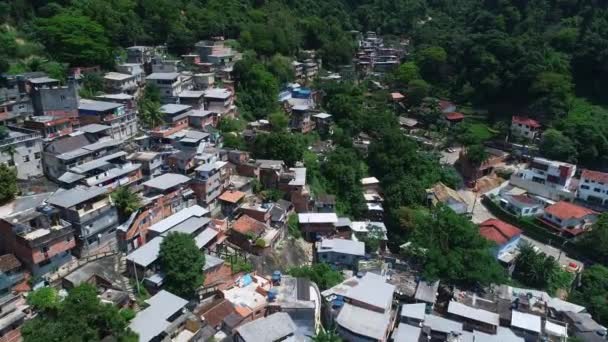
x=127 y=313
x=260 y=243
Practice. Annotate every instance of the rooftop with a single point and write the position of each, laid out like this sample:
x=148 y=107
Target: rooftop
x=163 y=76
x=406 y=333
x=526 y=321
x=342 y=246
x=146 y=254
x=369 y=181
x=172 y=108
x=180 y=217
x=246 y=224
x=231 y=196
x=94 y=128
x=97 y=106
x=498 y=231
x=192 y=93
x=443 y=325
x=71 y=197
x=8 y=262
x=364 y=322
x=271 y=328
x=305 y=218
x=427 y=292
x=299 y=176
x=116 y=76
x=166 y=181
x=600 y=177
x=525 y=121
x=566 y=210
x=218 y=93
x=152 y=321
x=416 y=311
x=487 y=317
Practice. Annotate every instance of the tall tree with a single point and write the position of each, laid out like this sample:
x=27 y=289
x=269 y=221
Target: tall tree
x=126 y=201
x=182 y=262
x=8 y=183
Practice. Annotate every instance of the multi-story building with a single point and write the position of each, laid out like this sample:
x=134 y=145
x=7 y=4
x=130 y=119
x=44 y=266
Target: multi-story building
x=22 y=148
x=37 y=235
x=301 y=119
x=593 y=187
x=140 y=54
x=340 y=252
x=91 y=214
x=51 y=99
x=547 y=178
x=116 y=82
x=162 y=197
x=525 y=127
x=69 y=151
x=216 y=53
x=569 y=218
x=219 y=100
x=123 y=122
x=212 y=178
x=151 y=163
x=133 y=69
x=170 y=84
x=110 y=172
x=49 y=127
x=175 y=120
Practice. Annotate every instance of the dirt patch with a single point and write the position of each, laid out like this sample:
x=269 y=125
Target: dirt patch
x=287 y=253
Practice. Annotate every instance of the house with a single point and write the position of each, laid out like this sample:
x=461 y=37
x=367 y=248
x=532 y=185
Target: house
x=11 y=273
x=524 y=127
x=12 y=316
x=170 y=84
x=249 y=296
x=426 y=292
x=91 y=214
x=447 y=106
x=325 y=204
x=412 y=314
x=340 y=252
x=593 y=187
x=193 y=98
x=36 y=235
x=547 y=178
x=473 y=171
x=49 y=127
x=279 y=213
x=569 y=218
x=51 y=99
x=202 y=119
x=133 y=69
x=162 y=197
x=69 y=151
x=124 y=99
x=99 y=273
x=301 y=119
x=22 y=148
x=521 y=205
x=116 y=82
x=323 y=122
x=454 y=118
x=212 y=177
x=317 y=224
x=370 y=185
x=407 y=123
x=526 y=325
x=140 y=54
x=474 y=318
x=275 y=327
x=377 y=229
x=109 y=171
x=158 y=320
x=151 y=163
x=583 y=326
x=220 y=100
x=299 y=298
x=253 y=235
x=175 y=119
x=505 y=236
x=441 y=193
x=361 y=308
x=229 y=201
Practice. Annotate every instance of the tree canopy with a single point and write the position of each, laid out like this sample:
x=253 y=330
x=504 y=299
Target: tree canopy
x=320 y=273
x=8 y=183
x=182 y=262
x=81 y=316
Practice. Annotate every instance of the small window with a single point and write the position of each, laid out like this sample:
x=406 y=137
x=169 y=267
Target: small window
x=37 y=155
x=26 y=158
x=585 y=187
x=597 y=190
x=62 y=97
x=45 y=249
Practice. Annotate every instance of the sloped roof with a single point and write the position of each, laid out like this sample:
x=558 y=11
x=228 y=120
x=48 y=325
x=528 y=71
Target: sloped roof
x=566 y=210
x=231 y=196
x=525 y=121
x=498 y=231
x=597 y=176
x=246 y=224
x=9 y=262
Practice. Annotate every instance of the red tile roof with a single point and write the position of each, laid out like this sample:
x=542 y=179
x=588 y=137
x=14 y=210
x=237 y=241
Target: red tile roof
x=595 y=176
x=397 y=96
x=217 y=312
x=454 y=116
x=445 y=105
x=566 y=210
x=525 y=121
x=246 y=224
x=524 y=199
x=498 y=231
x=231 y=196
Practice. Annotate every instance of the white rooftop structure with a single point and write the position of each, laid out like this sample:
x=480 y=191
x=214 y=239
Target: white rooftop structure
x=322 y=115
x=218 y=93
x=177 y=218
x=487 y=317
x=369 y=181
x=363 y=321
x=374 y=291
x=342 y=246
x=416 y=311
x=555 y=329
x=145 y=255
x=526 y=321
x=152 y=321
x=443 y=325
x=276 y=327
x=300 y=176
x=166 y=181
x=318 y=218
x=406 y=333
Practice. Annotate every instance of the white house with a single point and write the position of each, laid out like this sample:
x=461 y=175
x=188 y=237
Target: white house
x=525 y=127
x=170 y=84
x=569 y=218
x=546 y=178
x=521 y=205
x=593 y=187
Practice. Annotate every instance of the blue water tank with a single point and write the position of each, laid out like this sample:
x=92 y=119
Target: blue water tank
x=276 y=277
x=338 y=302
x=272 y=295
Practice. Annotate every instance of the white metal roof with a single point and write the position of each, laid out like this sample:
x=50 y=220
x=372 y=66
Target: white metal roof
x=318 y=218
x=152 y=321
x=177 y=218
x=342 y=246
x=416 y=311
x=526 y=321
x=364 y=322
x=472 y=313
x=369 y=180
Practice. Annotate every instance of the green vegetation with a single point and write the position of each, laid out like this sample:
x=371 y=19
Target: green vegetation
x=8 y=183
x=283 y=146
x=79 y=317
x=293 y=227
x=593 y=293
x=540 y=271
x=326 y=336
x=182 y=263
x=596 y=240
x=126 y=201
x=321 y=274
x=150 y=114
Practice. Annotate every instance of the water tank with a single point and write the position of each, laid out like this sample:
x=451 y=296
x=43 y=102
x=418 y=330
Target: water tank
x=276 y=277
x=338 y=302
x=272 y=295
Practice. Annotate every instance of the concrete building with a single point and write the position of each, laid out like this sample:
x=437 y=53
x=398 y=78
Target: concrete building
x=546 y=178
x=521 y=205
x=176 y=119
x=122 y=122
x=116 y=82
x=22 y=148
x=593 y=187
x=12 y=317
x=90 y=213
x=49 y=127
x=340 y=252
x=162 y=197
x=133 y=69
x=317 y=224
x=523 y=127
x=159 y=319
x=140 y=54
x=275 y=327
x=151 y=163
x=220 y=100
x=170 y=84
x=212 y=178
x=441 y=193
x=506 y=238
x=51 y=99
x=361 y=308
x=110 y=172
x=37 y=235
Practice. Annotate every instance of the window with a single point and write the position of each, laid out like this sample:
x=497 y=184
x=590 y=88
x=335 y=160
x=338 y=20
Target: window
x=585 y=187
x=10 y=162
x=26 y=158
x=45 y=249
x=44 y=263
x=37 y=155
x=62 y=97
x=597 y=190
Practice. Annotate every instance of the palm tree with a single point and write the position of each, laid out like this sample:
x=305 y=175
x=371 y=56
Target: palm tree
x=150 y=114
x=10 y=150
x=126 y=201
x=326 y=336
